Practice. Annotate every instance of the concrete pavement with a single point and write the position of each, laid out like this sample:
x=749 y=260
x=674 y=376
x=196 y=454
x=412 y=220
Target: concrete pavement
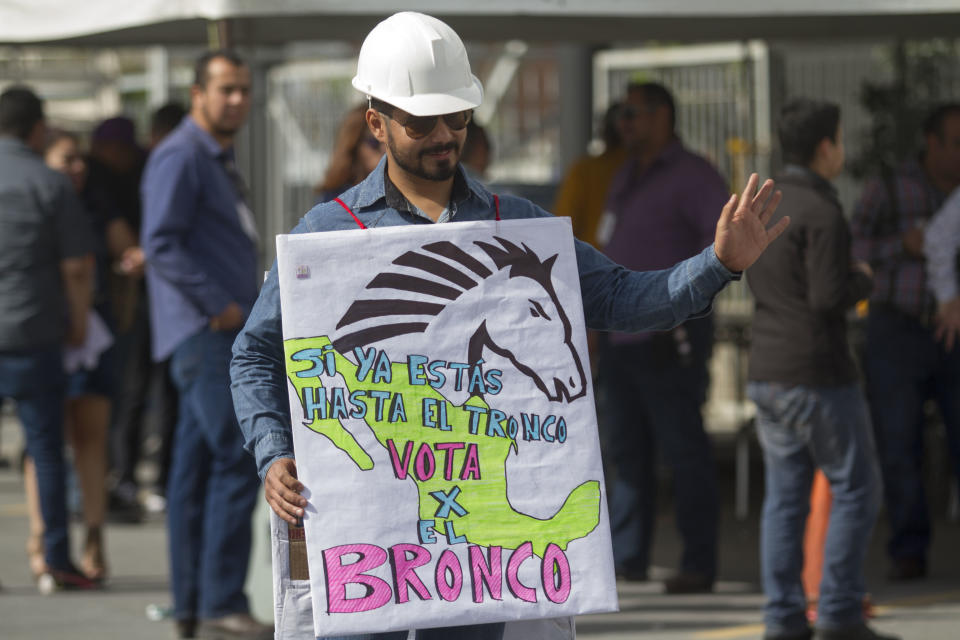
x=138 y=559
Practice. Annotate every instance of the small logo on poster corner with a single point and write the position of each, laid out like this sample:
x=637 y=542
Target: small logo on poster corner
x=303 y=272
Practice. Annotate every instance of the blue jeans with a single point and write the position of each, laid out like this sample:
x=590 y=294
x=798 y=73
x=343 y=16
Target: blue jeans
x=802 y=429
x=35 y=380
x=904 y=367
x=652 y=396
x=213 y=485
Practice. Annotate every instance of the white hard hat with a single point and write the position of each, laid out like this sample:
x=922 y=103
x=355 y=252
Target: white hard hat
x=419 y=64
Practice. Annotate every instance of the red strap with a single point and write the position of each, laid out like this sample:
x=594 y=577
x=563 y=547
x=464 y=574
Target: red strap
x=355 y=218
x=496 y=206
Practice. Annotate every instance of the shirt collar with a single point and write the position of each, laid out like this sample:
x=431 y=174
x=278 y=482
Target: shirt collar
x=207 y=141
x=670 y=153
x=817 y=181
x=15 y=144
x=378 y=186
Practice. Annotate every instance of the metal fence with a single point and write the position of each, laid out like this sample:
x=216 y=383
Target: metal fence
x=305 y=103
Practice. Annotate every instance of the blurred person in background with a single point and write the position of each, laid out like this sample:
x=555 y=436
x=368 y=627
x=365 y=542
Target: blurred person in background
x=477 y=152
x=582 y=195
x=200 y=240
x=46 y=284
x=906 y=363
x=146 y=385
x=654 y=384
x=115 y=165
x=811 y=412
x=89 y=391
x=941 y=246
x=355 y=154
x=164 y=120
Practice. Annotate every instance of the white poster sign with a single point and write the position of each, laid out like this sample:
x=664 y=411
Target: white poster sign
x=444 y=425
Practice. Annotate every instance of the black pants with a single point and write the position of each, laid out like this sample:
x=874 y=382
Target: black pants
x=652 y=392
x=143 y=387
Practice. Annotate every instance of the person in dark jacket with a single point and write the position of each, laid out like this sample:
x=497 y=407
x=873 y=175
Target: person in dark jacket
x=811 y=412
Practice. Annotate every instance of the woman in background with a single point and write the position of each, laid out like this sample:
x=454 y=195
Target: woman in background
x=355 y=154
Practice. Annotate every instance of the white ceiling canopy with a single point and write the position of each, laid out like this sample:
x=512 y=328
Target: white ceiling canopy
x=142 y=22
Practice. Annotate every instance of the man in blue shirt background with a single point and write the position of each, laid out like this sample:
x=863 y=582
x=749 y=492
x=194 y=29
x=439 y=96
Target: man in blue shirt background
x=201 y=248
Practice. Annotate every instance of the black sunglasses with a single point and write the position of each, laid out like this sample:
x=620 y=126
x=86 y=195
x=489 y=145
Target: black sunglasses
x=420 y=126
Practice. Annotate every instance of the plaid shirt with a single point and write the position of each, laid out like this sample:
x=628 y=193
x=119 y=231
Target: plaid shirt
x=900 y=280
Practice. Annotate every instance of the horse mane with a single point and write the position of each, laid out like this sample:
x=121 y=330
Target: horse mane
x=442 y=281
x=522 y=262
x=445 y=282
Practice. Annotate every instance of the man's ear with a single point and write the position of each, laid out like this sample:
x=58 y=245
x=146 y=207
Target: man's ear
x=377 y=125
x=196 y=91
x=823 y=148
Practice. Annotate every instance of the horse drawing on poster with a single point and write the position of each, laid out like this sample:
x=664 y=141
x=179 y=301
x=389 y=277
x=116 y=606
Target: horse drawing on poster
x=519 y=280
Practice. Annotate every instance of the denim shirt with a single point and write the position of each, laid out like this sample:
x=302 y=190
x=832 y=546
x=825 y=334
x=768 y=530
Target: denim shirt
x=614 y=298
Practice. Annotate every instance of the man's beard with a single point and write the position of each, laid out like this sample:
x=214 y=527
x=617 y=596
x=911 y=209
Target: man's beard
x=226 y=132
x=414 y=165
x=219 y=128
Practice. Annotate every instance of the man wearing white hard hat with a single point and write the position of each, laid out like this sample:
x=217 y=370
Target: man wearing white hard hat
x=414 y=70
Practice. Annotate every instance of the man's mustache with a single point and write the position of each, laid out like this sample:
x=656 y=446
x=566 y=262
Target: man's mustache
x=440 y=148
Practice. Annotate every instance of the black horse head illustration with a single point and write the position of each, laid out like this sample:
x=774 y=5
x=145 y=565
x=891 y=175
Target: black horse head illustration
x=442 y=284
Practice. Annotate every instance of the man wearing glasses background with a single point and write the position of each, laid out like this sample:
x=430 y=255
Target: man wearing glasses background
x=661 y=208
x=415 y=72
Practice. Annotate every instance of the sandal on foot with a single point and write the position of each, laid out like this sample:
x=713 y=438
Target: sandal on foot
x=66 y=579
x=93 y=564
x=35 y=556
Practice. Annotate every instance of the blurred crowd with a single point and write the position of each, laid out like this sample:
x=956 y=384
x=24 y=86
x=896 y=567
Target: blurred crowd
x=109 y=382
x=100 y=362
x=647 y=202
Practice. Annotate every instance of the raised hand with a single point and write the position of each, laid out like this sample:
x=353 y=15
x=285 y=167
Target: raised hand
x=742 y=233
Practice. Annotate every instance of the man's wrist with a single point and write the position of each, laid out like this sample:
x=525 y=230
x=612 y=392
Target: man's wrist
x=730 y=275
x=271 y=447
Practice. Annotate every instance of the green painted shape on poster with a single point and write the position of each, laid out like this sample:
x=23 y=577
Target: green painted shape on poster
x=490 y=519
